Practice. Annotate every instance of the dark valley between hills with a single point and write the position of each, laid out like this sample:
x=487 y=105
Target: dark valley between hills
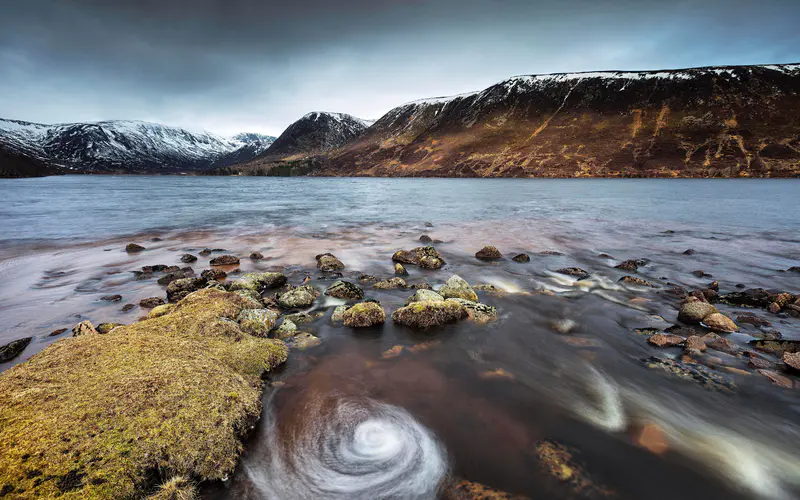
x=733 y=121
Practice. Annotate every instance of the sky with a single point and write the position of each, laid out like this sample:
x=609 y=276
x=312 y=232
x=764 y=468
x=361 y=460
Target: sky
x=233 y=66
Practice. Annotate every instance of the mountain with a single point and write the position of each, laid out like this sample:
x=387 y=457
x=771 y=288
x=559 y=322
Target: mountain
x=732 y=121
x=313 y=134
x=118 y=146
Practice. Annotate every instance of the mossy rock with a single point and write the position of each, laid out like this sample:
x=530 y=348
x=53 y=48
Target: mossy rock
x=390 y=284
x=720 y=323
x=400 y=270
x=303 y=341
x=338 y=314
x=104 y=328
x=93 y=416
x=328 y=262
x=364 y=314
x=259 y=281
x=423 y=295
x=457 y=288
x=257 y=322
x=426 y=314
x=84 y=328
x=180 y=288
x=297 y=297
x=161 y=310
x=252 y=299
x=345 y=290
x=287 y=330
x=302 y=318
x=478 y=312
x=176 y=488
x=425 y=257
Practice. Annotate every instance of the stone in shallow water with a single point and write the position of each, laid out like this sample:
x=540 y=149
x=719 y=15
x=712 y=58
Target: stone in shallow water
x=188 y=258
x=345 y=290
x=633 y=280
x=111 y=298
x=720 y=322
x=390 y=284
x=364 y=314
x=303 y=341
x=694 y=311
x=328 y=262
x=574 y=271
x=522 y=257
x=457 y=288
x=133 y=248
x=297 y=297
x=488 y=252
x=422 y=295
x=691 y=371
x=257 y=322
x=665 y=340
x=13 y=349
x=224 y=260
x=429 y=313
x=400 y=270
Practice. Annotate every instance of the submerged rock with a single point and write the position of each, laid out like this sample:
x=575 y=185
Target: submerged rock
x=169 y=278
x=521 y=257
x=301 y=318
x=390 y=284
x=297 y=297
x=328 y=262
x=84 y=328
x=458 y=288
x=628 y=265
x=188 y=258
x=574 y=271
x=134 y=248
x=692 y=371
x=429 y=313
x=14 y=349
x=257 y=322
x=488 y=253
x=345 y=290
x=287 y=330
x=425 y=239
x=224 y=260
x=111 y=298
x=180 y=288
x=151 y=302
x=364 y=314
x=303 y=341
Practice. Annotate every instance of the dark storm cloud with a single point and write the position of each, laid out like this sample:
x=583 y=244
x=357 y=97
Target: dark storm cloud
x=253 y=65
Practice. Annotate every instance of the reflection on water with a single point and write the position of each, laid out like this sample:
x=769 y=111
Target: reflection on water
x=392 y=413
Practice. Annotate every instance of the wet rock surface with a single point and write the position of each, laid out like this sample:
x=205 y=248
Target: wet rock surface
x=363 y=315
x=574 y=271
x=488 y=253
x=329 y=262
x=13 y=349
x=225 y=260
x=426 y=314
x=345 y=290
x=425 y=257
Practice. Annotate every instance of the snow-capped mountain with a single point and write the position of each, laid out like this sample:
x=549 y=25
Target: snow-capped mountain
x=126 y=146
x=317 y=132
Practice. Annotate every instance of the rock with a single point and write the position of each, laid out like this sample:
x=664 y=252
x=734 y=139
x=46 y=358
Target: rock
x=752 y=319
x=714 y=285
x=720 y=322
x=128 y=307
x=161 y=310
x=104 y=328
x=425 y=239
x=758 y=362
x=429 y=224
x=134 y=248
x=694 y=343
x=256 y=256
x=689 y=251
x=423 y=295
x=345 y=290
x=653 y=438
x=303 y=341
x=695 y=311
x=628 y=265
x=328 y=262
x=782 y=299
x=478 y=312
x=792 y=359
x=794 y=269
x=169 y=278
x=710 y=295
x=488 y=253
x=392 y=352
x=364 y=314
x=301 y=318
x=754 y=297
x=180 y=288
x=251 y=299
x=400 y=270
x=15 y=348
x=171 y=269
x=774 y=308
x=368 y=278
x=777 y=379
x=457 y=288
x=225 y=260
x=188 y=258
x=84 y=328
x=213 y=274
x=701 y=274
x=429 y=313
x=258 y=282
x=718 y=343
x=551 y=253
x=338 y=314
x=287 y=330
x=111 y=298
x=777 y=347
x=205 y=252
x=633 y=280
x=297 y=297
x=151 y=302
x=574 y=271
x=257 y=322
x=55 y=333
x=521 y=257
x=420 y=286
x=665 y=340
x=691 y=371
x=390 y=284
x=424 y=257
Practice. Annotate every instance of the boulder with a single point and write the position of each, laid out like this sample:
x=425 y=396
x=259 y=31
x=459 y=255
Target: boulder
x=665 y=340
x=364 y=314
x=256 y=256
x=478 y=312
x=792 y=359
x=345 y=290
x=214 y=274
x=151 y=302
x=390 y=284
x=180 y=288
x=161 y=310
x=457 y=288
x=794 y=269
x=574 y=271
x=134 y=248
x=169 y=278
x=14 y=349
x=628 y=265
x=297 y=297
x=252 y=300
x=425 y=257
x=426 y=314
x=425 y=239
x=104 y=328
x=257 y=322
x=521 y=257
x=633 y=280
x=423 y=295
x=128 y=307
x=259 y=281
x=694 y=311
x=488 y=253
x=224 y=260
x=400 y=270
x=328 y=262
x=720 y=322
x=188 y=258
x=84 y=328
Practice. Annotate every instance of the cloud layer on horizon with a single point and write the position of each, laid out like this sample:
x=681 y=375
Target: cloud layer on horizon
x=249 y=65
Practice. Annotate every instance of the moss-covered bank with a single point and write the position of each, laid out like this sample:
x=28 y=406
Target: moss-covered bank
x=115 y=415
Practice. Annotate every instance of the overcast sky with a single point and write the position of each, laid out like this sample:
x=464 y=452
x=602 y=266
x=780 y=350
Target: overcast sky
x=232 y=66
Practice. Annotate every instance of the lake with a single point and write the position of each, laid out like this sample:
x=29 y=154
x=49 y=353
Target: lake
x=566 y=369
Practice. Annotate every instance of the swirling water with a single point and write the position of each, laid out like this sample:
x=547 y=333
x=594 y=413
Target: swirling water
x=348 y=420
